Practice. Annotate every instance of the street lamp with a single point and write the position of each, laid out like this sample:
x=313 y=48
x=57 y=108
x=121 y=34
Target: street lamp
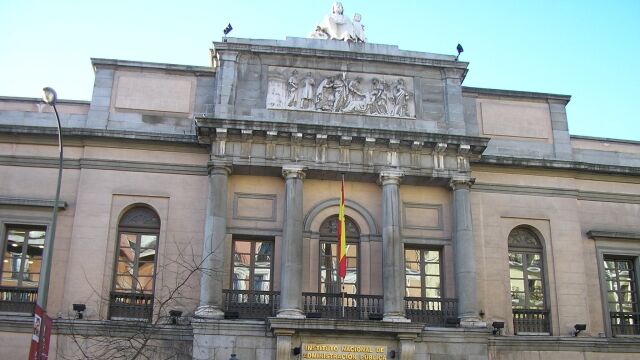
x=50 y=97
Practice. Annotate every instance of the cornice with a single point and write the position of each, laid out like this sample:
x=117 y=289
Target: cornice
x=557 y=165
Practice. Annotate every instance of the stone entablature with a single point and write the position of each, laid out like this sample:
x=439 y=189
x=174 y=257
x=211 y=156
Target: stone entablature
x=340 y=92
x=247 y=144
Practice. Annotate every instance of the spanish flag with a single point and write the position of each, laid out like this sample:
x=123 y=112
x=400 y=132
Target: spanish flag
x=342 y=239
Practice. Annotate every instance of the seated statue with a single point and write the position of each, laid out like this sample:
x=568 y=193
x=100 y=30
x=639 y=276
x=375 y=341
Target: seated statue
x=337 y=26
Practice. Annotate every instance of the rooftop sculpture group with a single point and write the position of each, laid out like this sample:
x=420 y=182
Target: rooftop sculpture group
x=336 y=26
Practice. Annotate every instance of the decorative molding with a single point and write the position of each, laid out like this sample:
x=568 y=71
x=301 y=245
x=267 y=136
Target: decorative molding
x=14 y=201
x=558 y=165
x=558 y=192
x=118 y=165
x=314 y=211
x=264 y=197
x=436 y=207
x=614 y=235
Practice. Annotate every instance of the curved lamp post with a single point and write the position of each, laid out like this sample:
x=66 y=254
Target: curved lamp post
x=50 y=97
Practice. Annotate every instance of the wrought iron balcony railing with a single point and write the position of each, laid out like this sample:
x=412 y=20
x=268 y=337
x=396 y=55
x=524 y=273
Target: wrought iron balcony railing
x=625 y=323
x=18 y=299
x=247 y=304
x=531 y=321
x=342 y=306
x=131 y=306
x=432 y=311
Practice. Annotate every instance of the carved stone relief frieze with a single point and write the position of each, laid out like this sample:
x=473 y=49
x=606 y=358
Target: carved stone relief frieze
x=340 y=92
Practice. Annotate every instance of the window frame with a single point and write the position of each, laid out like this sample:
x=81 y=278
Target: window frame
x=614 y=249
x=543 y=269
x=133 y=303
x=331 y=238
x=253 y=240
x=423 y=275
x=7 y=227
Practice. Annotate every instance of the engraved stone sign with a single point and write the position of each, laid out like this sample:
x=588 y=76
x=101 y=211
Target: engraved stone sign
x=345 y=352
x=340 y=92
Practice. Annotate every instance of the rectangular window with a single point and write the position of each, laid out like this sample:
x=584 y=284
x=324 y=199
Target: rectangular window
x=527 y=288
x=135 y=269
x=22 y=257
x=422 y=273
x=20 y=267
x=622 y=296
x=252 y=265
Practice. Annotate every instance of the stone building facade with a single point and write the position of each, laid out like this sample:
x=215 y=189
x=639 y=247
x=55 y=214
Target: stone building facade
x=214 y=192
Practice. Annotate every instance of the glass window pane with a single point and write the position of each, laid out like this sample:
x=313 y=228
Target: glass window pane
x=412 y=255
x=413 y=292
x=433 y=282
x=432 y=269
x=124 y=282
x=433 y=293
x=412 y=268
x=148 y=241
x=517 y=285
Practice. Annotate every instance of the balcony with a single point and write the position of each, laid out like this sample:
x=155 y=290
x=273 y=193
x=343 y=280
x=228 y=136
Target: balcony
x=18 y=299
x=535 y=321
x=245 y=304
x=625 y=323
x=432 y=311
x=128 y=306
x=342 y=306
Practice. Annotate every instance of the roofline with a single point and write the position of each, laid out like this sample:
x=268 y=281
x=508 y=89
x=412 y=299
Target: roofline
x=594 y=138
x=516 y=94
x=38 y=100
x=151 y=65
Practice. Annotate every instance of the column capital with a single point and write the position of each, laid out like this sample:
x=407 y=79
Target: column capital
x=461 y=182
x=293 y=171
x=390 y=177
x=219 y=168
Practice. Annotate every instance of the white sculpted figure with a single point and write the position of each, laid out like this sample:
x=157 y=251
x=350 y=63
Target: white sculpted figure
x=307 y=91
x=358 y=29
x=292 y=90
x=337 y=26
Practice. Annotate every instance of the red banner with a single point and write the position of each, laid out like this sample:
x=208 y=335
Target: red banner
x=342 y=238
x=41 y=335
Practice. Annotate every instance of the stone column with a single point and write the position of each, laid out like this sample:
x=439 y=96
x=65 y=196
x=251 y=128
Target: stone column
x=215 y=231
x=464 y=254
x=392 y=249
x=291 y=260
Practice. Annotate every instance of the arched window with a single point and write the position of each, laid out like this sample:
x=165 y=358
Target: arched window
x=135 y=270
x=526 y=274
x=329 y=280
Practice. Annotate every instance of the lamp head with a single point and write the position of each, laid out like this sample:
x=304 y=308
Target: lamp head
x=49 y=95
x=579 y=327
x=497 y=326
x=79 y=309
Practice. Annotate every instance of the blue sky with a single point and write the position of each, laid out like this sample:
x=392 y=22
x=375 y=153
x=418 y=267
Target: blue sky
x=587 y=49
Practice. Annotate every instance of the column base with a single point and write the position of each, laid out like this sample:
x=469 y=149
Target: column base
x=290 y=314
x=393 y=317
x=209 y=312
x=472 y=322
